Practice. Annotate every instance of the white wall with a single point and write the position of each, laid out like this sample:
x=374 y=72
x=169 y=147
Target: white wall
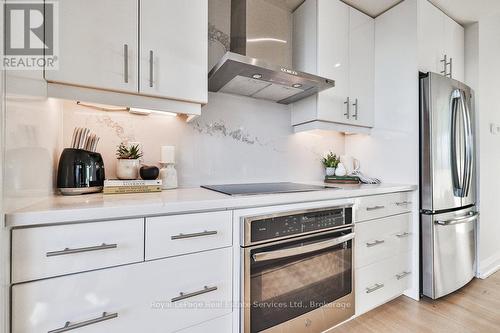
x=236 y=139
x=483 y=74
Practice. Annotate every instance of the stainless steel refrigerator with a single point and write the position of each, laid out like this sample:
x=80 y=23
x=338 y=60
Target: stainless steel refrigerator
x=448 y=213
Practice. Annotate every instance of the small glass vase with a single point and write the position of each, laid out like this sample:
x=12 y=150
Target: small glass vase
x=168 y=176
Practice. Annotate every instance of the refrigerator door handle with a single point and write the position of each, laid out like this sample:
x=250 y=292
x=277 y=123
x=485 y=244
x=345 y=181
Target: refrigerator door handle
x=458 y=177
x=469 y=146
x=471 y=217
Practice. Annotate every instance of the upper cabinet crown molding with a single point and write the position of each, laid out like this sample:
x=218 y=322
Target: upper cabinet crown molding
x=149 y=49
x=336 y=41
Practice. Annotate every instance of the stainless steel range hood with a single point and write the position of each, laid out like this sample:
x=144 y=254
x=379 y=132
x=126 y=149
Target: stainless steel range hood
x=259 y=63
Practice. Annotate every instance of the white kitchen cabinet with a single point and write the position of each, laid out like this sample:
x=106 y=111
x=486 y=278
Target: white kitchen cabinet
x=180 y=234
x=345 y=53
x=173 y=49
x=440 y=36
x=132 y=298
x=98 y=44
x=384 y=249
x=64 y=249
x=149 y=54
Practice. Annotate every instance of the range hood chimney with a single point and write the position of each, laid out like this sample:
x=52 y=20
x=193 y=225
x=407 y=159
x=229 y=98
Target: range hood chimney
x=259 y=63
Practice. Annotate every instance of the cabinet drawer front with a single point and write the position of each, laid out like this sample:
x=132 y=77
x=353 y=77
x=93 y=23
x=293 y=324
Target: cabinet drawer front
x=378 y=283
x=179 y=234
x=219 y=325
x=377 y=206
x=140 y=295
x=382 y=238
x=57 y=250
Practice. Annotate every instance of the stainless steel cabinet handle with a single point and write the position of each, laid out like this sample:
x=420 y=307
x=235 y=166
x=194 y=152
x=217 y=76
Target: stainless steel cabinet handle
x=471 y=217
x=450 y=74
x=402 y=275
x=375 y=243
x=151 y=65
x=67 y=250
x=183 y=296
x=196 y=234
x=355 y=104
x=125 y=62
x=293 y=251
x=377 y=286
x=403 y=203
x=374 y=208
x=445 y=64
x=348 y=108
x=69 y=326
x=403 y=235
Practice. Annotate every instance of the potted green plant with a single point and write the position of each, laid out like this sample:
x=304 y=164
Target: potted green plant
x=330 y=162
x=128 y=162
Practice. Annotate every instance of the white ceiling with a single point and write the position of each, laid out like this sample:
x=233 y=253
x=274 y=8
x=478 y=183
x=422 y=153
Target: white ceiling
x=463 y=11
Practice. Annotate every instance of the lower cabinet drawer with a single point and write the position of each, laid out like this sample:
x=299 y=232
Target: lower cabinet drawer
x=380 y=282
x=160 y=296
x=377 y=206
x=179 y=234
x=217 y=325
x=63 y=249
x=382 y=238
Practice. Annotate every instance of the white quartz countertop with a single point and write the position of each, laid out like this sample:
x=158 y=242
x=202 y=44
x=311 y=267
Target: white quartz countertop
x=93 y=207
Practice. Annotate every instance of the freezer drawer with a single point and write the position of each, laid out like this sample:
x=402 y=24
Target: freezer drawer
x=448 y=251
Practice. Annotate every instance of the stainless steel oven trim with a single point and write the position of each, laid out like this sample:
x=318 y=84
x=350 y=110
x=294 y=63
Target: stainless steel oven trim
x=247 y=221
x=245 y=269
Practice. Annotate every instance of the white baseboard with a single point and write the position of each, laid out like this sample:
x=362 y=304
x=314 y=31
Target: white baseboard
x=489 y=266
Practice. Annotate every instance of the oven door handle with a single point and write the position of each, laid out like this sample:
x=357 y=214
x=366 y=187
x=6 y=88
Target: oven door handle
x=294 y=251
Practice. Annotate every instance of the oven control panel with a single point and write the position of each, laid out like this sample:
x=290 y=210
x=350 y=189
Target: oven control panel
x=278 y=226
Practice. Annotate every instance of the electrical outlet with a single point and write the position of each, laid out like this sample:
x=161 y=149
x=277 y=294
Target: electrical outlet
x=494 y=129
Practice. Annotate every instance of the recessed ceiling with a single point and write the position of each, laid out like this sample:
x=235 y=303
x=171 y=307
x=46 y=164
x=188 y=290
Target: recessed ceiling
x=372 y=7
x=463 y=11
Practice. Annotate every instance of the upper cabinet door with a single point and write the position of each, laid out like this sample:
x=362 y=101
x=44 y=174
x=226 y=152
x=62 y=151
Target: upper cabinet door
x=361 y=68
x=333 y=58
x=97 y=44
x=430 y=37
x=454 y=48
x=173 y=49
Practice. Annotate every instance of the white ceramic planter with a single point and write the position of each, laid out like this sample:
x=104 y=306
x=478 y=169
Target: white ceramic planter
x=330 y=171
x=127 y=169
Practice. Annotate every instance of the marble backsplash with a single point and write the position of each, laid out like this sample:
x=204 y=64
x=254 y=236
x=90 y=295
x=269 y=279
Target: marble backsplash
x=236 y=139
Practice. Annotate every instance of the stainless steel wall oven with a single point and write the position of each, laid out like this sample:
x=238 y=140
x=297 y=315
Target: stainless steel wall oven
x=298 y=271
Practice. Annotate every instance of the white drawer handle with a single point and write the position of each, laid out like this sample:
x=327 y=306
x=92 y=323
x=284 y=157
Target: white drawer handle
x=403 y=235
x=377 y=286
x=374 y=208
x=183 y=296
x=68 y=326
x=196 y=234
x=67 y=250
x=402 y=275
x=375 y=243
x=403 y=203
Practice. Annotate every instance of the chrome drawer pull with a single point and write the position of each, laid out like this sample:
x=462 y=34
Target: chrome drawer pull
x=402 y=275
x=374 y=208
x=196 y=234
x=377 y=286
x=375 y=243
x=67 y=250
x=68 y=326
x=403 y=235
x=183 y=296
x=403 y=203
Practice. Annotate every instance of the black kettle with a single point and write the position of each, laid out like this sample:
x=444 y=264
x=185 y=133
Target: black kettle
x=80 y=171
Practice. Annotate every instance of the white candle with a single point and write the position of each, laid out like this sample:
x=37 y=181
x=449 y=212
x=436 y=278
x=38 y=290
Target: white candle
x=167 y=154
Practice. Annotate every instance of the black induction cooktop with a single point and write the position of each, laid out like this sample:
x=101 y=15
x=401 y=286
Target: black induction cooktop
x=265 y=188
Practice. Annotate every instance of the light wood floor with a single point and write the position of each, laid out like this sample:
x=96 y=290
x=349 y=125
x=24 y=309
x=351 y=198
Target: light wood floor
x=474 y=308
